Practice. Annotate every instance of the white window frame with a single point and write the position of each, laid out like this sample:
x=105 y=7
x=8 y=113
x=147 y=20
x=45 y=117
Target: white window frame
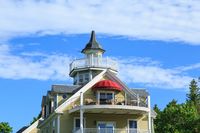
x=98 y=95
x=99 y=122
x=131 y=120
x=83 y=77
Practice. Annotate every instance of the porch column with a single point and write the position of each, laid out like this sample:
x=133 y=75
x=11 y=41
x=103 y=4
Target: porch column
x=52 y=106
x=138 y=100
x=149 y=115
x=81 y=112
x=152 y=125
x=58 y=123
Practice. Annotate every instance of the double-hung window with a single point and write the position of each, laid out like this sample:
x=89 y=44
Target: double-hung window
x=106 y=97
x=132 y=126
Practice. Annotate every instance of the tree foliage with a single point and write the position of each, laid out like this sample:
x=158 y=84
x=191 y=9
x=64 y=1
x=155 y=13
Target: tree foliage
x=193 y=97
x=180 y=118
x=5 y=127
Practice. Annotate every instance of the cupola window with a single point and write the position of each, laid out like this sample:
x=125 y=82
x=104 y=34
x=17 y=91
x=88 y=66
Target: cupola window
x=86 y=77
x=81 y=78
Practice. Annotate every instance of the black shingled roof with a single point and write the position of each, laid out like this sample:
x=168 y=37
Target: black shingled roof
x=65 y=88
x=22 y=129
x=93 y=44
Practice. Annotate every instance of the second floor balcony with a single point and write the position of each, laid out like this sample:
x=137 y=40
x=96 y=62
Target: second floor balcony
x=94 y=62
x=115 y=104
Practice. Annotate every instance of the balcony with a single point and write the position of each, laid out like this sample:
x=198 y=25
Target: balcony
x=111 y=130
x=94 y=62
x=118 y=105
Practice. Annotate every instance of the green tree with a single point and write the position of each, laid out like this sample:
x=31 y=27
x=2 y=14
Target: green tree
x=5 y=127
x=156 y=109
x=157 y=120
x=178 y=118
x=193 y=97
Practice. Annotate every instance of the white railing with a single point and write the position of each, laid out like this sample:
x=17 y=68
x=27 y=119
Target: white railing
x=89 y=100
x=94 y=62
x=111 y=130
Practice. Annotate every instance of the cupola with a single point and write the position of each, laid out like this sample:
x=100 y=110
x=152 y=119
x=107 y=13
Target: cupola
x=85 y=69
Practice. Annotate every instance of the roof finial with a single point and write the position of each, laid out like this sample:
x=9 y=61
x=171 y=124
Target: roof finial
x=93 y=36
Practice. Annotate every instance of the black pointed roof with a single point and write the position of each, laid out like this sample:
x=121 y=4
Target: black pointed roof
x=93 y=44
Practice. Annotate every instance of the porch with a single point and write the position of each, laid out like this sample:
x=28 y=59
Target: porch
x=111 y=123
x=117 y=116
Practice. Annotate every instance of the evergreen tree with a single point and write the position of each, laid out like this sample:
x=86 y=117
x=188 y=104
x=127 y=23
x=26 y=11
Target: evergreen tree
x=5 y=127
x=180 y=118
x=156 y=109
x=193 y=97
x=157 y=120
x=177 y=118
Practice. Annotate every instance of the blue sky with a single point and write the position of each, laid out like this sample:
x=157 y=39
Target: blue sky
x=156 y=45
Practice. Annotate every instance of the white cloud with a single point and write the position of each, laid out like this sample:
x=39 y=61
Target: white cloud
x=56 y=67
x=51 y=66
x=144 y=19
x=190 y=67
x=152 y=75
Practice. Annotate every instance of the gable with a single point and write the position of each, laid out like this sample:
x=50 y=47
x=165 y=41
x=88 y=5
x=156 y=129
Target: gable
x=106 y=74
x=82 y=90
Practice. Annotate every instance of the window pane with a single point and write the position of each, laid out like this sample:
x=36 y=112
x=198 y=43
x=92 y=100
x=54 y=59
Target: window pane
x=132 y=124
x=86 y=77
x=102 y=125
x=109 y=96
x=80 y=78
x=77 y=123
x=102 y=95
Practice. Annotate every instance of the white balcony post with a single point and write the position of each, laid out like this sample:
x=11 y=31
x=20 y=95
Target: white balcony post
x=90 y=75
x=149 y=115
x=81 y=112
x=99 y=129
x=125 y=99
x=58 y=123
x=52 y=106
x=92 y=59
x=138 y=100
